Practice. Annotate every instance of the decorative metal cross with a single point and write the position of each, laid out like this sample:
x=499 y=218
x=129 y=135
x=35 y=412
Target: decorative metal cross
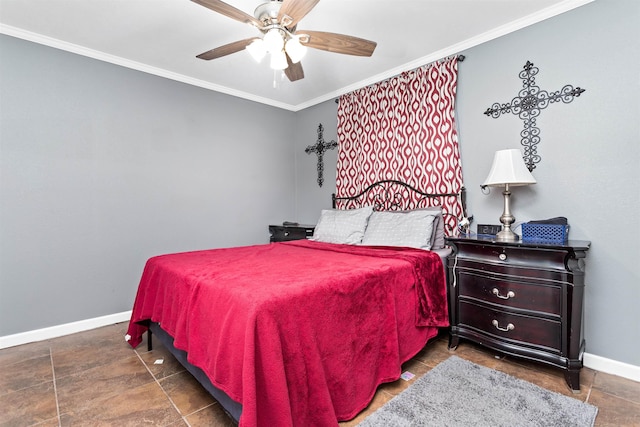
x=320 y=148
x=527 y=106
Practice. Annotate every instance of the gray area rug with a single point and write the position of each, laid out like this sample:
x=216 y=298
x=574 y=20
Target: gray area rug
x=460 y=393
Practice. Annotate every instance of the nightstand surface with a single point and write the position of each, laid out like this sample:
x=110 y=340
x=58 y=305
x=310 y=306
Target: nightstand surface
x=519 y=298
x=486 y=238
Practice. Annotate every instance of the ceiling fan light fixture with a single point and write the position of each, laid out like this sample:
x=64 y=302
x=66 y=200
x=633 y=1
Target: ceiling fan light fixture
x=295 y=49
x=273 y=41
x=277 y=21
x=278 y=61
x=257 y=49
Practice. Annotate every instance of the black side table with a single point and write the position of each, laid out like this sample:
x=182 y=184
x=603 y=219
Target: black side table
x=521 y=299
x=283 y=233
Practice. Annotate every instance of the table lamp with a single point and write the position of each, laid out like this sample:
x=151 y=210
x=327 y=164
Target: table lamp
x=508 y=170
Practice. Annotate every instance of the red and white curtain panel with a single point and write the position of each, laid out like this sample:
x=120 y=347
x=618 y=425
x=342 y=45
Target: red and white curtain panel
x=403 y=129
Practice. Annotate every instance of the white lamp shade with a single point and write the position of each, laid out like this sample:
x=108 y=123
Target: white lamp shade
x=257 y=49
x=278 y=61
x=295 y=50
x=273 y=41
x=508 y=168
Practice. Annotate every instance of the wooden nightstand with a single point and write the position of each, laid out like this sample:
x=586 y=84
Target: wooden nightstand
x=522 y=299
x=283 y=233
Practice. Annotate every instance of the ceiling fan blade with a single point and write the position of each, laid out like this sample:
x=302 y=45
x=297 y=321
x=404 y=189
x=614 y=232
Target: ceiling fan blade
x=296 y=10
x=294 y=71
x=227 y=49
x=338 y=43
x=229 y=11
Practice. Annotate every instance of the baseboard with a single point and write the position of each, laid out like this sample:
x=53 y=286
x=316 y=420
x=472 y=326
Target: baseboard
x=592 y=361
x=612 y=367
x=61 y=330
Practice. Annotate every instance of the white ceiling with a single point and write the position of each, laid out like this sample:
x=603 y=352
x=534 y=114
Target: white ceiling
x=163 y=37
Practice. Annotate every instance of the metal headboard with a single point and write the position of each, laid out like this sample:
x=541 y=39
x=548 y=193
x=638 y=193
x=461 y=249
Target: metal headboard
x=394 y=195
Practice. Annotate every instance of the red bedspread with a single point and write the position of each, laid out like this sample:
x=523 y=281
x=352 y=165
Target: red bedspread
x=300 y=333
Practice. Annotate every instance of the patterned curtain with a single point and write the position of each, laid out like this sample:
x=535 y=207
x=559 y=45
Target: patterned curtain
x=403 y=129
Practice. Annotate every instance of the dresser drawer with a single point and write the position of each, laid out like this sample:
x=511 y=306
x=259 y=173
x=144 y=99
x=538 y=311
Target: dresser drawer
x=545 y=258
x=510 y=293
x=526 y=329
x=509 y=266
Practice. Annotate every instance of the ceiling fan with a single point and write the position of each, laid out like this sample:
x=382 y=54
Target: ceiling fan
x=277 y=20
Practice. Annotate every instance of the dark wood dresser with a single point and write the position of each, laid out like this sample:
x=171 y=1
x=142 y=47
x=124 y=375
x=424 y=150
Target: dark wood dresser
x=521 y=299
x=283 y=233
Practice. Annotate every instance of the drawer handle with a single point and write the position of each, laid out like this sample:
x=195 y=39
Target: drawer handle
x=510 y=294
x=502 y=257
x=286 y=233
x=509 y=327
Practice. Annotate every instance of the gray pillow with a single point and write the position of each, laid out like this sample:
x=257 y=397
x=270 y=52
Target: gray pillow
x=412 y=229
x=437 y=234
x=437 y=231
x=342 y=226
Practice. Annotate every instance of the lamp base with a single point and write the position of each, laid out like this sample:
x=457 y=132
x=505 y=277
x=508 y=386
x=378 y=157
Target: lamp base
x=506 y=235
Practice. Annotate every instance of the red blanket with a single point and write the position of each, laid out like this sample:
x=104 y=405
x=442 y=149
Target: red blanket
x=300 y=333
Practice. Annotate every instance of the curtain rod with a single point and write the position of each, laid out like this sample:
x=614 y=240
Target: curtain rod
x=460 y=59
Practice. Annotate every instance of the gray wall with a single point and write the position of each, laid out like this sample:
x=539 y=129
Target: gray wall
x=590 y=151
x=310 y=197
x=102 y=167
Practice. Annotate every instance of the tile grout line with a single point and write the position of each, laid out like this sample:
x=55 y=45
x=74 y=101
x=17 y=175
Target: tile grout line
x=593 y=380
x=161 y=388
x=55 y=387
x=184 y=417
x=616 y=397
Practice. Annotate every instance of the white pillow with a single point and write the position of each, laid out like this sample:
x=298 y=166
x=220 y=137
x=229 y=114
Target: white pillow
x=412 y=229
x=342 y=226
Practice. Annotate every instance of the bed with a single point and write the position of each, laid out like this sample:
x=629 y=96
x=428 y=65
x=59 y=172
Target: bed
x=302 y=332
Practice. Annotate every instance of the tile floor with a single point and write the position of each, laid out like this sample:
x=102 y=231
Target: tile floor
x=95 y=379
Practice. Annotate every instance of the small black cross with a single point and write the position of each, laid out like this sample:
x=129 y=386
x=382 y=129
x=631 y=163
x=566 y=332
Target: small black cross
x=527 y=106
x=320 y=148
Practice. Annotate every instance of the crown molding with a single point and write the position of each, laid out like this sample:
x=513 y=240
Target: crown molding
x=454 y=49
x=138 y=66
x=511 y=27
